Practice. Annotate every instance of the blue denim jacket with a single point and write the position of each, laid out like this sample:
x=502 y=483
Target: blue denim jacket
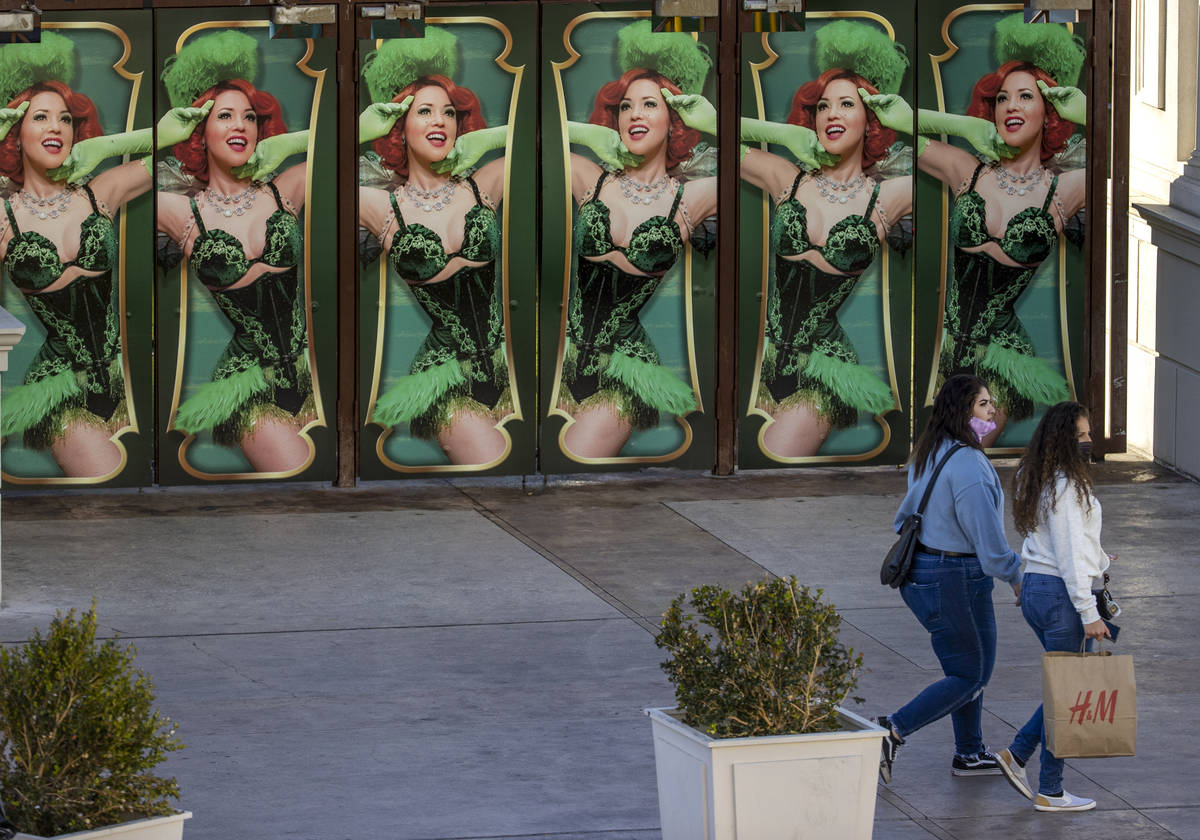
x=965 y=513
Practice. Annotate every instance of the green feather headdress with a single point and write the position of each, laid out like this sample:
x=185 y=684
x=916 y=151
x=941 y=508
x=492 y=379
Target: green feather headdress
x=208 y=60
x=401 y=61
x=862 y=49
x=1048 y=46
x=674 y=55
x=23 y=65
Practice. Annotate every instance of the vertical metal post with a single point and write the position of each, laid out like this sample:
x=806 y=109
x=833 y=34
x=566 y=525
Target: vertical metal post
x=728 y=187
x=1115 y=439
x=1095 y=292
x=347 y=240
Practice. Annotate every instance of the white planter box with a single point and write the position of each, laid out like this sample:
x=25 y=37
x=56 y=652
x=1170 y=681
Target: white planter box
x=156 y=828
x=820 y=786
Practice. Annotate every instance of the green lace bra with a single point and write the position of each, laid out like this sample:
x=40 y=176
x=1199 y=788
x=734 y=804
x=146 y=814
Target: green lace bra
x=32 y=260
x=1028 y=239
x=417 y=252
x=220 y=260
x=850 y=247
x=654 y=246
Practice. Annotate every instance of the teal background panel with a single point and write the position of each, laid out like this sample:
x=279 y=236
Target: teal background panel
x=678 y=442
x=100 y=43
x=481 y=43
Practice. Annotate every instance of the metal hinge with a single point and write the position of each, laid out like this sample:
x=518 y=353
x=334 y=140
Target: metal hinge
x=792 y=7
x=687 y=8
x=298 y=15
x=16 y=21
x=392 y=11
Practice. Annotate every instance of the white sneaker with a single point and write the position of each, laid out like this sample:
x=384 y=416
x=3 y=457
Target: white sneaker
x=1066 y=802
x=1014 y=772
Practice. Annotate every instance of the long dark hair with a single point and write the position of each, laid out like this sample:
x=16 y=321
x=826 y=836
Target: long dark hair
x=951 y=418
x=1053 y=449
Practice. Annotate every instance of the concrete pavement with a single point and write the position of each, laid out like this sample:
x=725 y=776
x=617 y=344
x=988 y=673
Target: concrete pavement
x=469 y=659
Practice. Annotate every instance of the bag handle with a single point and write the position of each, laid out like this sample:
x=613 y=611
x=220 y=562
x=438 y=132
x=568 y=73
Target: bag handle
x=936 y=470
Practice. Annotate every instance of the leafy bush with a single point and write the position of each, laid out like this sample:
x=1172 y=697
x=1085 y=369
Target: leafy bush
x=78 y=732
x=776 y=668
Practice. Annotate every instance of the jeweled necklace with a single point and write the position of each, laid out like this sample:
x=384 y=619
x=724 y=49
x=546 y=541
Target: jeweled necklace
x=639 y=193
x=52 y=206
x=836 y=192
x=431 y=201
x=1015 y=184
x=232 y=205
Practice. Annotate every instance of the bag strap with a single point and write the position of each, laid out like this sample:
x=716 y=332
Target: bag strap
x=933 y=478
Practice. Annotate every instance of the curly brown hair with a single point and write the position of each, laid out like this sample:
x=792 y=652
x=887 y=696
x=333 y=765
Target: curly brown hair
x=1053 y=449
x=983 y=105
x=681 y=140
x=878 y=139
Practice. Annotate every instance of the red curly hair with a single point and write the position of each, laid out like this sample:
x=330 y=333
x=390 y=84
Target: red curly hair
x=467 y=111
x=191 y=153
x=85 y=122
x=680 y=139
x=804 y=112
x=983 y=105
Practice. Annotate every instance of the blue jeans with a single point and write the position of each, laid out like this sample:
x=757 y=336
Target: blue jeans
x=1048 y=609
x=952 y=598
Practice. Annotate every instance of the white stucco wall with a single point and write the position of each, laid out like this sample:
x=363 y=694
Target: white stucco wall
x=1164 y=249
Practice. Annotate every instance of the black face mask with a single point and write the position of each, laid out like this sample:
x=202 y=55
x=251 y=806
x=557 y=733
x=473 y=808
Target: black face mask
x=1085 y=449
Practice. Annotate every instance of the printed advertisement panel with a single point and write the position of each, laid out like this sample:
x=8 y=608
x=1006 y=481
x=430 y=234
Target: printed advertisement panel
x=76 y=235
x=628 y=267
x=1001 y=192
x=826 y=241
x=448 y=233
x=246 y=165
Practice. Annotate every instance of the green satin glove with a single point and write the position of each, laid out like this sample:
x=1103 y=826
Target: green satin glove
x=178 y=124
x=469 y=148
x=10 y=117
x=86 y=155
x=802 y=142
x=604 y=142
x=980 y=133
x=891 y=110
x=695 y=111
x=377 y=119
x=1069 y=102
x=894 y=113
x=270 y=153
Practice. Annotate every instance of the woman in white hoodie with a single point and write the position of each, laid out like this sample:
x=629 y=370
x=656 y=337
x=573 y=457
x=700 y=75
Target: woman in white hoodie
x=1055 y=511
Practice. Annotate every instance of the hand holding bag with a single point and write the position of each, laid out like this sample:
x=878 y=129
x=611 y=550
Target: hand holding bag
x=1089 y=704
x=898 y=562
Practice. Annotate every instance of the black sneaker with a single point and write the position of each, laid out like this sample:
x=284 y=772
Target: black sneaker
x=980 y=764
x=891 y=744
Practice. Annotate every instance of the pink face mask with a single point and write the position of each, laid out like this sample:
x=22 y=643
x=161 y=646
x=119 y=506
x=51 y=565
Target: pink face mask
x=981 y=428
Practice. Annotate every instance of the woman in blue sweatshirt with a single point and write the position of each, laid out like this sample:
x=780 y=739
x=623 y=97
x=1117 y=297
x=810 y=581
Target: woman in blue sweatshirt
x=962 y=547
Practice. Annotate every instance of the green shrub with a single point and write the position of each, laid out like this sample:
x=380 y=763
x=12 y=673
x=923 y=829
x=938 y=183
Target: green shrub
x=776 y=668
x=78 y=732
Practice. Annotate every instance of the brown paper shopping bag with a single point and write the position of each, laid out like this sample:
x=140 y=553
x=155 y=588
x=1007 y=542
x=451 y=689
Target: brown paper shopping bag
x=1089 y=704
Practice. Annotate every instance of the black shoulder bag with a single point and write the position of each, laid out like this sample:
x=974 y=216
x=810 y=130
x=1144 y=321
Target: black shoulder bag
x=898 y=562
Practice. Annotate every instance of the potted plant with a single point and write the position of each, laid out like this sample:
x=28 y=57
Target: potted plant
x=759 y=745
x=79 y=736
